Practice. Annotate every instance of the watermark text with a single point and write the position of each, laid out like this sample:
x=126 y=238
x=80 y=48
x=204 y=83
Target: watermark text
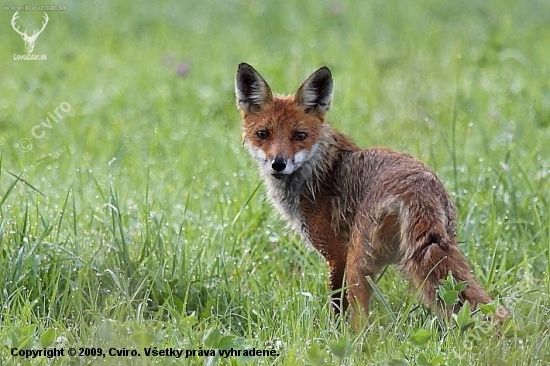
x=27 y=7
x=38 y=131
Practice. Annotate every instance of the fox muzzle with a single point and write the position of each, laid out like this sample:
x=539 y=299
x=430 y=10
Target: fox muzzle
x=278 y=164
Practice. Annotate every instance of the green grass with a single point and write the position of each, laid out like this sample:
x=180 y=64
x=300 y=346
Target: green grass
x=138 y=220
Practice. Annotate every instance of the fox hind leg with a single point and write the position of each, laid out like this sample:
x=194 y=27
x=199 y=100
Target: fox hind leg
x=431 y=260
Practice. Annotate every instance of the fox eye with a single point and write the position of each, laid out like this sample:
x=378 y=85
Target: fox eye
x=262 y=134
x=300 y=136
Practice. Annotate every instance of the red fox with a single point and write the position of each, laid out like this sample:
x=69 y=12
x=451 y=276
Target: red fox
x=361 y=209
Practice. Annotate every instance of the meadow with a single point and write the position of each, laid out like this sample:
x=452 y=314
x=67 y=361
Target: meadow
x=132 y=219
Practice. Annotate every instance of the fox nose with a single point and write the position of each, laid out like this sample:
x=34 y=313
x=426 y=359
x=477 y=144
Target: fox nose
x=278 y=164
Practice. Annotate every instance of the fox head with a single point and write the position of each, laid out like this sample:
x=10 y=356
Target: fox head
x=283 y=133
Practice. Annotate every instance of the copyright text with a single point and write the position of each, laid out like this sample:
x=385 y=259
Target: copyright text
x=147 y=352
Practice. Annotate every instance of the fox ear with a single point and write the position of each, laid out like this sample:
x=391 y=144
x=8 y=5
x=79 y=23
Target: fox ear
x=315 y=94
x=251 y=89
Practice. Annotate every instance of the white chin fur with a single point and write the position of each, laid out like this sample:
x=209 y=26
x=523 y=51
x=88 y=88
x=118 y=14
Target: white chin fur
x=265 y=164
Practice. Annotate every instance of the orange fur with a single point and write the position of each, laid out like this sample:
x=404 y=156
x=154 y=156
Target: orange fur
x=361 y=209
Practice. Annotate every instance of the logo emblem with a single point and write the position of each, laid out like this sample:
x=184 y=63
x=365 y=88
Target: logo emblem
x=29 y=40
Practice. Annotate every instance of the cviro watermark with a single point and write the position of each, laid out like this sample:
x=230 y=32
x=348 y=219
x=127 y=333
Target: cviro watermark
x=39 y=131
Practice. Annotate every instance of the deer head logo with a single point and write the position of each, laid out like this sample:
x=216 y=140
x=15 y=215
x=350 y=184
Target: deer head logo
x=29 y=40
